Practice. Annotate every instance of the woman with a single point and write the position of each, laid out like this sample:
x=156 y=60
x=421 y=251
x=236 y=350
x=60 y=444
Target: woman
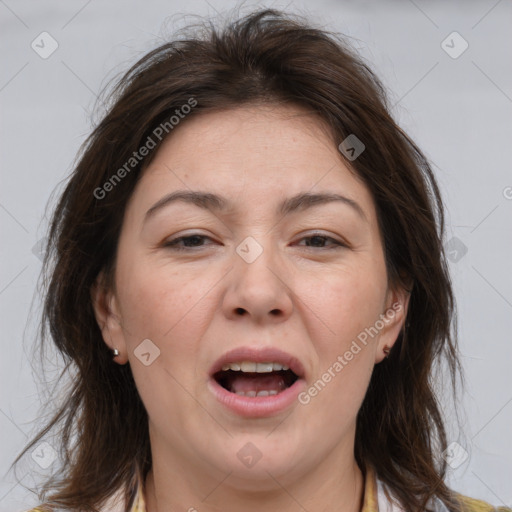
x=246 y=278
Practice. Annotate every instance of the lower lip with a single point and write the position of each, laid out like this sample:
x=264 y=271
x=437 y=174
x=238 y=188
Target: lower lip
x=258 y=406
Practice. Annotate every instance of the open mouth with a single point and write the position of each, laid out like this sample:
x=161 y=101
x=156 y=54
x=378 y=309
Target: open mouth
x=251 y=379
x=256 y=382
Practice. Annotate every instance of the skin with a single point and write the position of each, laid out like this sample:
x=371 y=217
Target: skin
x=310 y=301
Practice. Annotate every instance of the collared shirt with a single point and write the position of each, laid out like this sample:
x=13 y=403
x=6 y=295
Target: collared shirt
x=374 y=500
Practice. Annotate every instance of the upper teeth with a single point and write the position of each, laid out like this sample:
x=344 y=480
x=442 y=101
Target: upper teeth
x=252 y=367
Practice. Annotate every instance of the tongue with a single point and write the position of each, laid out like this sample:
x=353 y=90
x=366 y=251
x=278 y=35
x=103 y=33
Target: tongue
x=257 y=382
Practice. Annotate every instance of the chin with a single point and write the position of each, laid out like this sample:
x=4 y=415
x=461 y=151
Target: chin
x=256 y=462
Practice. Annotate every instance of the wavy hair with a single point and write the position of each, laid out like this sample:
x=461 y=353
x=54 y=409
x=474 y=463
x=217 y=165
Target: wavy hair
x=273 y=58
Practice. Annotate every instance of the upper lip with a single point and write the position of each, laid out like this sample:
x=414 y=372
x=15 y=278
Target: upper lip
x=259 y=355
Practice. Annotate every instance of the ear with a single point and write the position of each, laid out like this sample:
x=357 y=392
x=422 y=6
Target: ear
x=107 y=315
x=393 y=318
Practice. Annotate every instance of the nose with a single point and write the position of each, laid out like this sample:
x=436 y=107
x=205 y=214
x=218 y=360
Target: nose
x=259 y=289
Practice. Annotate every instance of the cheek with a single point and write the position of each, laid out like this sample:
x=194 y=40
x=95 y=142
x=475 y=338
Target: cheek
x=173 y=308
x=158 y=300
x=153 y=304
x=343 y=303
x=340 y=307
x=168 y=308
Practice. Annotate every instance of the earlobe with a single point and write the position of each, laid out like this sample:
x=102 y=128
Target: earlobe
x=394 y=320
x=105 y=310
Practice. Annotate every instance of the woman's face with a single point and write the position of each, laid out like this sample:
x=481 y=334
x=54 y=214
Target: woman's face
x=263 y=275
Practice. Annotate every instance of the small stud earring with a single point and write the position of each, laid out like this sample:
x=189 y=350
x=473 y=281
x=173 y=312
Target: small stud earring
x=386 y=350
x=115 y=352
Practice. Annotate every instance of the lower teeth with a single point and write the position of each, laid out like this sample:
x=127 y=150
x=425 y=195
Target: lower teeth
x=259 y=393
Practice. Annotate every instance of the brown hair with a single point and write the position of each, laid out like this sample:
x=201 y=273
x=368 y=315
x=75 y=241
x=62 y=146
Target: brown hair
x=272 y=58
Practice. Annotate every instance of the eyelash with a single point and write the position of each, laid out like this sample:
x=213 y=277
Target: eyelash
x=172 y=244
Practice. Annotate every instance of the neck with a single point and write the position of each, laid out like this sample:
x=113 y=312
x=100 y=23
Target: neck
x=339 y=487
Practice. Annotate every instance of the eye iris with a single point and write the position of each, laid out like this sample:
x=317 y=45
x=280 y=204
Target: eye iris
x=197 y=238
x=322 y=239
x=191 y=241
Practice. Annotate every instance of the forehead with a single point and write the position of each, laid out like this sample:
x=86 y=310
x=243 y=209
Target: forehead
x=277 y=136
x=255 y=153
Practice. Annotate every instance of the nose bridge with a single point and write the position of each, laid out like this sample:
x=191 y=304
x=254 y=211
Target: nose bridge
x=257 y=288
x=255 y=262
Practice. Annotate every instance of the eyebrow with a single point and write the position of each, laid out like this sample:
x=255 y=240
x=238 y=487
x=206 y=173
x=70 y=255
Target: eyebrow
x=216 y=203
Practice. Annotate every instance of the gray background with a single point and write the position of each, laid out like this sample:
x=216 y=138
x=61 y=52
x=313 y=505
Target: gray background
x=459 y=111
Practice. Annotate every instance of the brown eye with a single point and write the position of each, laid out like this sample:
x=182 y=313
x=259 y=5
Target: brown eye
x=189 y=242
x=318 y=242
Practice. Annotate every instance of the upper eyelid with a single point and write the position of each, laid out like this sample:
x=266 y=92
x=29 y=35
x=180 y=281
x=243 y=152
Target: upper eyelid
x=310 y=235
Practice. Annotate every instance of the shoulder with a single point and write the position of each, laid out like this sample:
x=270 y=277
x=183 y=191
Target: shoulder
x=466 y=503
x=115 y=503
x=473 y=505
